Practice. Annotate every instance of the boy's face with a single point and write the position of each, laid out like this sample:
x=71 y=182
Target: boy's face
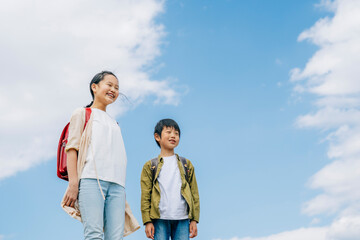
x=169 y=138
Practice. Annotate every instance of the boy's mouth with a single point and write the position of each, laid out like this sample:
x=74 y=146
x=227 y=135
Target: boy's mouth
x=172 y=141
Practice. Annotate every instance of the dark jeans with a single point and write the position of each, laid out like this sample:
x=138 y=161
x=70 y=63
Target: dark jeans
x=176 y=229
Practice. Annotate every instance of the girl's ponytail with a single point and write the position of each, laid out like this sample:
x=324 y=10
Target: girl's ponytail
x=87 y=106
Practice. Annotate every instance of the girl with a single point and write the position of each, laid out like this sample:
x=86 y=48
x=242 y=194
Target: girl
x=96 y=162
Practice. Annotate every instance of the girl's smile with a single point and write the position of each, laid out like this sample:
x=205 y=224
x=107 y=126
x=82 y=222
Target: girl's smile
x=106 y=91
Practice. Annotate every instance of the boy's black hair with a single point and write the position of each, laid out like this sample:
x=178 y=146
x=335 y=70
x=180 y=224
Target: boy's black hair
x=165 y=123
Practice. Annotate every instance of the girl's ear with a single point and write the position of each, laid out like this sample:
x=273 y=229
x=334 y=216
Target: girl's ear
x=94 y=87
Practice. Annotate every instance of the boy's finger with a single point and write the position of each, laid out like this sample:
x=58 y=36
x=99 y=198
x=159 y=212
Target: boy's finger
x=195 y=233
x=152 y=232
x=149 y=233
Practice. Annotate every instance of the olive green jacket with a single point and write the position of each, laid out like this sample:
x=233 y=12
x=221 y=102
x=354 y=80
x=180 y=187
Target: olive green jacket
x=150 y=193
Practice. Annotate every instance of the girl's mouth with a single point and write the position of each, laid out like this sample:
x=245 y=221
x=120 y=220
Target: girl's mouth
x=111 y=95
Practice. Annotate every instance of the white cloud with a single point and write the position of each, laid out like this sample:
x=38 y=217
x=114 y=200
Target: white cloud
x=278 y=62
x=331 y=70
x=50 y=50
x=332 y=76
x=315 y=221
x=345 y=228
x=298 y=234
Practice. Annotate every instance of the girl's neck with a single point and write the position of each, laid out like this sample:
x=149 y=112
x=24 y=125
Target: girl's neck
x=99 y=106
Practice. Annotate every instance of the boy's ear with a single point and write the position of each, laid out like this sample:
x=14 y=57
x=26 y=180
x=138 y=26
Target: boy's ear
x=157 y=137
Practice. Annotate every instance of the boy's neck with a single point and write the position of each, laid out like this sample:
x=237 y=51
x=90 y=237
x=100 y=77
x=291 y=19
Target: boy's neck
x=167 y=152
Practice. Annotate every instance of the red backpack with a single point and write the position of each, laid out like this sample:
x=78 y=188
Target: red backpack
x=61 y=154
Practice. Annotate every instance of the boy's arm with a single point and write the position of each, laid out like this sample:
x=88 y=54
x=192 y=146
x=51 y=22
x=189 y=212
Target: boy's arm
x=194 y=192
x=146 y=187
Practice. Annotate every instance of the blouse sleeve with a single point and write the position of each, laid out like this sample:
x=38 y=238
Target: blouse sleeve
x=76 y=128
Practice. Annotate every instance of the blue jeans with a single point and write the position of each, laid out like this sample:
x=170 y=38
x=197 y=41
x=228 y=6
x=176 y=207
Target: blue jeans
x=102 y=218
x=176 y=229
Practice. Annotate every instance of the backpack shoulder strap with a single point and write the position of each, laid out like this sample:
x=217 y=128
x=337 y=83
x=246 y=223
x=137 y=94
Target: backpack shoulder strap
x=154 y=166
x=186 y=168
x=87 y=115
x=155 y=162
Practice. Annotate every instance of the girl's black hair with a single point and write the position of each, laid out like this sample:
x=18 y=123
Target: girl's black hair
x=96 y=79
x=165 y=123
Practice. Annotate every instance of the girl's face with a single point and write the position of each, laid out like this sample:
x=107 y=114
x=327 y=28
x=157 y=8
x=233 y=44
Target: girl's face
x=107 y=90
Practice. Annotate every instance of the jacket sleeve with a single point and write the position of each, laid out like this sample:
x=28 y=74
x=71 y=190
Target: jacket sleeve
x=146 y=188
x=194 y=192
x=76 y=128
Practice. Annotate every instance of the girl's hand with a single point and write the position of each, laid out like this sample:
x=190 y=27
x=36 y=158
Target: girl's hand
x=150 y=230
x=193 y=229
x=71 y=194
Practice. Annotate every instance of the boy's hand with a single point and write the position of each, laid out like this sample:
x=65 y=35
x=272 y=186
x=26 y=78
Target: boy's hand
x=150 y=230
x=193 y=229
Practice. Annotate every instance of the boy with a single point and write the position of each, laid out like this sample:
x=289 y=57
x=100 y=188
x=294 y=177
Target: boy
x=170 y=204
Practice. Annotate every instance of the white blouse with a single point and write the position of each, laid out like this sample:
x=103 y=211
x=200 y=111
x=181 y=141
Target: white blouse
x=106 y=154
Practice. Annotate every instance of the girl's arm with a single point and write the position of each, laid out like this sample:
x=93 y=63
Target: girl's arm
x=76 y=128
x=73 y=188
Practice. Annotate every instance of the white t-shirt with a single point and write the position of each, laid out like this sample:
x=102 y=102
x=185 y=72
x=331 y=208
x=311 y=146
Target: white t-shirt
x=172 y=205
x=106 y=149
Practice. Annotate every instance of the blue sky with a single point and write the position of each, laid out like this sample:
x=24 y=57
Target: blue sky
x=260 y=134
